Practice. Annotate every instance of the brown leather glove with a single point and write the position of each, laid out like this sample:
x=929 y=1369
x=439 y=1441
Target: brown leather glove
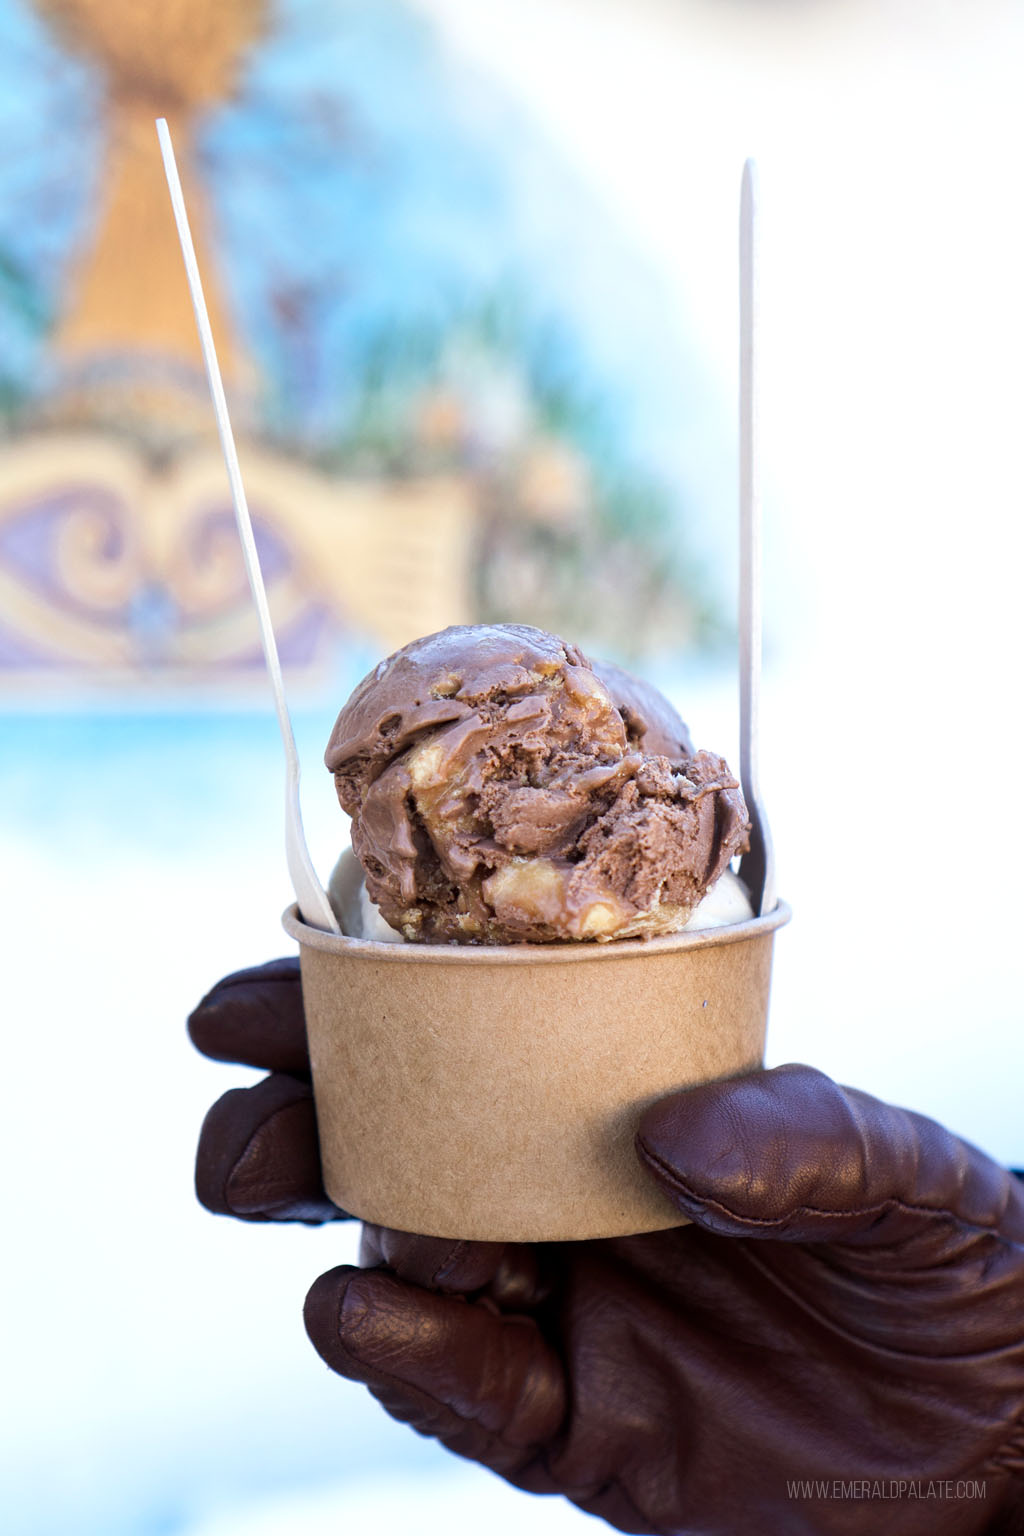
x=835 y=1345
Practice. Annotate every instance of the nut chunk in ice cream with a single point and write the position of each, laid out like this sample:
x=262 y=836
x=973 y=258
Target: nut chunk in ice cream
x=505 y=789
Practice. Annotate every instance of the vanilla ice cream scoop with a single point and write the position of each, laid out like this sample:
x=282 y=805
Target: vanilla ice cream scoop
x=505 y=789
x=726 y=902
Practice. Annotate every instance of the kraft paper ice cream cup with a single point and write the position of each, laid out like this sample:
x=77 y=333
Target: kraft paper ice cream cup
x=493 y=1092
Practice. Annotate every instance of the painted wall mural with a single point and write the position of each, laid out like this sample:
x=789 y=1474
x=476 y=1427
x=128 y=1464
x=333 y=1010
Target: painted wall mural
x=420 y=321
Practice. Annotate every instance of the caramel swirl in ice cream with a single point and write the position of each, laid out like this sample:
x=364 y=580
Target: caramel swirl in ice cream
x=505 y=789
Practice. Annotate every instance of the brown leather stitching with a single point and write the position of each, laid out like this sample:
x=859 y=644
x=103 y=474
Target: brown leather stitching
x=883 y=1208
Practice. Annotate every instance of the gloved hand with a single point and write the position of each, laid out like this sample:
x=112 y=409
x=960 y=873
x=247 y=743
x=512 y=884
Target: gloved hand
x=845 y=1315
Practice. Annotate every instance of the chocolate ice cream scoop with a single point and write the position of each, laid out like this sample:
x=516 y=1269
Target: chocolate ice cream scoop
x=505 y=789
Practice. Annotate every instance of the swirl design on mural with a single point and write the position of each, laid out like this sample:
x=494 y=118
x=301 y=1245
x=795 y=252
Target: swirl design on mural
x=119 y=565
x=94 y=559
x=93 y=574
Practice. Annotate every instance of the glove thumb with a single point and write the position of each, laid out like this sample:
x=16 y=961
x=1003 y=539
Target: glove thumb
x=789 y=1154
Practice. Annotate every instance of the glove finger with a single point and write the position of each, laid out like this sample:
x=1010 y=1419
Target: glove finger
x=259 y=1155
x=255 y=1017
x=507 y=1272
x=488 y=1386
x=790 y=1154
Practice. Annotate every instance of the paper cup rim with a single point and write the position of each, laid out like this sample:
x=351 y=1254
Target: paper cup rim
x=530 y=954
